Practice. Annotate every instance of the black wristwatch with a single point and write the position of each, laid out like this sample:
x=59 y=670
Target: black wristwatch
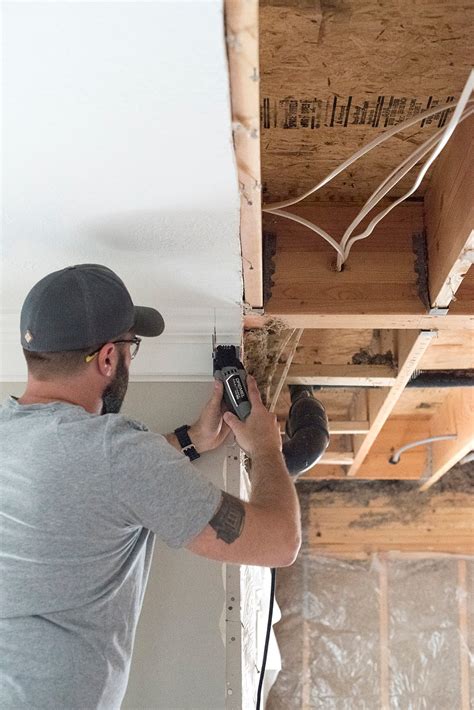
x=187 y=446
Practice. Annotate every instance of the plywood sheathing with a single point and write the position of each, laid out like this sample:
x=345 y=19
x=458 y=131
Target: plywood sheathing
x=334 y=74
x=450 y=350
x=449 y=216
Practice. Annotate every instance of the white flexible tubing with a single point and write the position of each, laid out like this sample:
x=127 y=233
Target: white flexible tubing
x=395 y=457
x=441 y=144
x=387 y=185
x=362 y=151
x=400 y=171
x=313 y=227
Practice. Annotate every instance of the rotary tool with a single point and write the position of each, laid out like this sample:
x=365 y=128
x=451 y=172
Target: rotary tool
x=228 y=368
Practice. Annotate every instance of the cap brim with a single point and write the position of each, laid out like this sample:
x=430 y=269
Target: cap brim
x=148 y=322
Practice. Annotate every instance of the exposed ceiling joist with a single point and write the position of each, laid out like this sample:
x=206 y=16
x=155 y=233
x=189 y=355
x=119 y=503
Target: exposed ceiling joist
x=415 y=264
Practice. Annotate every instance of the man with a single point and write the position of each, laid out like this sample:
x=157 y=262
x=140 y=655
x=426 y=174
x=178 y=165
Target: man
x=85 y=490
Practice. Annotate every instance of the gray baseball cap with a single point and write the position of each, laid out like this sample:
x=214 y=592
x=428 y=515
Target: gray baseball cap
x=80 y=307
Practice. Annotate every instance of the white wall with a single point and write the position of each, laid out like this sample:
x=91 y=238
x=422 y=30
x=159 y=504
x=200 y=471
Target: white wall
x=179 y=659
x=117 y=149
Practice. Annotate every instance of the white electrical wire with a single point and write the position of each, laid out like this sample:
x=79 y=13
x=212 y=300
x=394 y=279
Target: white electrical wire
x=395 y=457
x=437 y=141
x=456 y=118
x=313 y=227
x=387 y=185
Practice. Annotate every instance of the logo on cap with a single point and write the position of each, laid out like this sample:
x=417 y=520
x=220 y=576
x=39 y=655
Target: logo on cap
x=28 y=337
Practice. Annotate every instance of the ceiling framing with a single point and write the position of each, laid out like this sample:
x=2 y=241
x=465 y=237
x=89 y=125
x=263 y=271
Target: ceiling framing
x=332 y=76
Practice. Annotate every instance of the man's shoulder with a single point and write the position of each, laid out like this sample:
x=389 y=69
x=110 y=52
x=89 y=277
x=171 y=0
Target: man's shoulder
x=121 y=422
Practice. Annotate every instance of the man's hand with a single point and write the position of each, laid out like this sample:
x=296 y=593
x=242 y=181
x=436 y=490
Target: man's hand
x=210 y=429
x=259 y=433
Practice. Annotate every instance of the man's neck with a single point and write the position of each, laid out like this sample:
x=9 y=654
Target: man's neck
x=78 y=394
x=36 y=399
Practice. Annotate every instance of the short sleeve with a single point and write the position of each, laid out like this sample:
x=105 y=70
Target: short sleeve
x=155 y=485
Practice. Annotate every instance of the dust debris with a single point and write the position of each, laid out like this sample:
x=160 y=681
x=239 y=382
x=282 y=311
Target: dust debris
x=364 y=357
x=262 y=349
x=420 y=250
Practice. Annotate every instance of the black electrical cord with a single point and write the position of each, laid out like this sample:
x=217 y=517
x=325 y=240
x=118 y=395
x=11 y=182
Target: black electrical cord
x=267 y=638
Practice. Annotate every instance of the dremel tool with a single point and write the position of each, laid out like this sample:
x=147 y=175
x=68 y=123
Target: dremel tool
x=228 y=368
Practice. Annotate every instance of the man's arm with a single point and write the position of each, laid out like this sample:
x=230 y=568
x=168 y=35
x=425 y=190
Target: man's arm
x=266 y=530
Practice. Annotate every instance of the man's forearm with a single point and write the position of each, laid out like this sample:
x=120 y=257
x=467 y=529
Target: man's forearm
x=273 y=488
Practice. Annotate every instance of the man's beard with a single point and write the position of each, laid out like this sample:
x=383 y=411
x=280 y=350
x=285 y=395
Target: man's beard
x=114 y=394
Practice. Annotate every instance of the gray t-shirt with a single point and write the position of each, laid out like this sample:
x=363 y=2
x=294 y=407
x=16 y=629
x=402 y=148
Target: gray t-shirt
x=82 y=497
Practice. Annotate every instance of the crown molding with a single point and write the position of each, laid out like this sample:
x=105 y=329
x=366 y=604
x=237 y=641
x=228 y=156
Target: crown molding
x=182 y=353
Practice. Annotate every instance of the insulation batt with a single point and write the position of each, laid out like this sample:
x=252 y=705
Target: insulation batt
x=331 y=640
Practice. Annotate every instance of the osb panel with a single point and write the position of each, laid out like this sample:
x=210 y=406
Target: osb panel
x=336 y=73
x=335 y=347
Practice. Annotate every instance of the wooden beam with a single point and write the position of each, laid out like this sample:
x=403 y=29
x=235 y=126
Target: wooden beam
x=412 y=347
x=322 y=472
x=337 y=458
x=360 y=410
x=384 y=319
x=343 y=427
x=456 y=417
x=283 y=375
x=449 y=216
x=339 y=524
x=450 y=350
x=241 y=26
x=345 y=375
x=372 y=282
x=396 y=432
x=351 y=427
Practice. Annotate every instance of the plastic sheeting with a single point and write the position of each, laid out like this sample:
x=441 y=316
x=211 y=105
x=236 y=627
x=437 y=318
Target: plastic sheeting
x=384 y=632
x=255 y=597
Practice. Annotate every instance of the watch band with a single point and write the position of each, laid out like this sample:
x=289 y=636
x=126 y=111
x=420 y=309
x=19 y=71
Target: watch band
x=187 y=446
